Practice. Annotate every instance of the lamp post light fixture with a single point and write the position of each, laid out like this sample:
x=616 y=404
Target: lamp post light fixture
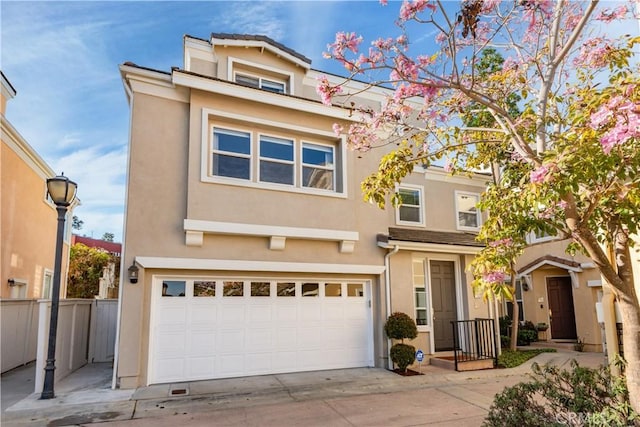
x=133 y=273
x=62 y=192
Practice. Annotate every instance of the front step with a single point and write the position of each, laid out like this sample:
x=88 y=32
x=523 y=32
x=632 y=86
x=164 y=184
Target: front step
x=448 y=362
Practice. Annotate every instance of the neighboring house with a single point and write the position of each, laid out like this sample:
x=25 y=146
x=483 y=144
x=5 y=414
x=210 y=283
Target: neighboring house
x=28 y=219
x=255 y=251
x=563 y=291
x=108 y=282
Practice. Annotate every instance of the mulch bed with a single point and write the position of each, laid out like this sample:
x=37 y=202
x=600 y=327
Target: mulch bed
x=408 y=373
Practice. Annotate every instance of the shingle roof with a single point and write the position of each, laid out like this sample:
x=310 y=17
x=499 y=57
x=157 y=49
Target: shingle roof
x=261 y=38
x=549 y=258
x=429 y=236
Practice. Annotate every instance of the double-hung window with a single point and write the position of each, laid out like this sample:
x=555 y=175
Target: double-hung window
x=318 y=167
x=467 y=214
x=276 y=160
x=410 y=211
x=231 y=154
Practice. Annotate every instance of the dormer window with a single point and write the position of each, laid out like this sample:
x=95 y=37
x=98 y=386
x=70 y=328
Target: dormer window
x=260 y=83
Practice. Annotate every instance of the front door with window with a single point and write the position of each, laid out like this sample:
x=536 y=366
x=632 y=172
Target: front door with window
x=561 y=311
x=443 y=288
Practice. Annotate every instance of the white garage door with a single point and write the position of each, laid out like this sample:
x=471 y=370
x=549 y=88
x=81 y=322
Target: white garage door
x=204 y=329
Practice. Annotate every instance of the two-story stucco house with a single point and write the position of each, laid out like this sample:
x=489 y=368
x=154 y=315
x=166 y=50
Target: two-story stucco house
x=254 y=250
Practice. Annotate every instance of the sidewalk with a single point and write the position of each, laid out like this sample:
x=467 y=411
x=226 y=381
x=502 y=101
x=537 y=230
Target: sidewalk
x=363 y=396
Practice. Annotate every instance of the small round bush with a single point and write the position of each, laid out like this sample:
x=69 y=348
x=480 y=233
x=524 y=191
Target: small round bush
x=400 y=326
x=403 y=355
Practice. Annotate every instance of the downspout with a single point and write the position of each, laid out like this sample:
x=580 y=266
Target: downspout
x=387 y=288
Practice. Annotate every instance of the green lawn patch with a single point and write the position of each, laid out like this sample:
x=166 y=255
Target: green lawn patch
x=511 y=359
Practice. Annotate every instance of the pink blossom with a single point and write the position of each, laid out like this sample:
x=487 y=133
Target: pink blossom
x=494 y=277
x=608 y=15
x=508 y=241
x=441 y=37
x=326 y=91
x=538 y=175
x=409 y=9
x=489 y=5
x=622 y=117
x=383 y=2
x=448 y=166
x=337 y=129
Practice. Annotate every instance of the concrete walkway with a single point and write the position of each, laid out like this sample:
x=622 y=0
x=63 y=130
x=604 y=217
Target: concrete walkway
x=360 y=397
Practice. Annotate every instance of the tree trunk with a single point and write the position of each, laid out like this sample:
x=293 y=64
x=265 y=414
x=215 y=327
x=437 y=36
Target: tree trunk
x=631 y=343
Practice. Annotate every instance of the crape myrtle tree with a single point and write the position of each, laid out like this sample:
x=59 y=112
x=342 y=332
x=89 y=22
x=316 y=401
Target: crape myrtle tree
x=565 y=164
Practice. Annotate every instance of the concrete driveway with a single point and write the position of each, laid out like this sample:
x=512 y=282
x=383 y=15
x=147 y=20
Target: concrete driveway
x=350 y=397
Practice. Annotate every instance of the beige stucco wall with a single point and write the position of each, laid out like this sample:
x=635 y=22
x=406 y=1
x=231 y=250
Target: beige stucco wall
x=28 y=224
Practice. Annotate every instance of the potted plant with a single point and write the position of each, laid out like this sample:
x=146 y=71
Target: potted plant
x=541 y=327
x=400 y=326
x=579 y=345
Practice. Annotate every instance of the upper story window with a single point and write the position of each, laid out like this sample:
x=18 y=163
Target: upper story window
x=410 y=211
x=276 y=160
x=231 y=154
x=318 y=166
x=467 y=214
x=260 y=83
x=237 y=156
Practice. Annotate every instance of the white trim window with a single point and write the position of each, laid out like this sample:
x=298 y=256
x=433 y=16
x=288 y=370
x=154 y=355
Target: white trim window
x=519 y=300
x=534 y=237
x=420 y=294
x=276 y=163
x=467 y=214
x=260 y=83
x=231 y=154
x=410 y=211
x=318 y=166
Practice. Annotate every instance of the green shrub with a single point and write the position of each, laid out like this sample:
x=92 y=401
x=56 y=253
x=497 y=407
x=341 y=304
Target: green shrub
x=527 y=336
x=528 y=325
x=555 y=397
x=400 y=326
x=511 y=359
x=505 y=341
x=505 y=324
x=403 y=355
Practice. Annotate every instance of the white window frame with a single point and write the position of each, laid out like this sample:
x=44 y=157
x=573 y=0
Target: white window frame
x=213 y=151
x=478 y=213
x=272 y=160
x=260 y=81
x=331 y=168
x=421 y=215
x=287 y=77
x=46 y=291
x=533 y=238
x=209 y=122
x=518 y=302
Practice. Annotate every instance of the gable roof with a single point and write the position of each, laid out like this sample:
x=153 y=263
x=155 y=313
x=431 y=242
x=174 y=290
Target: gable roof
x=111 y=247
x=259 y=40
x=551 y=260
x=429 y=236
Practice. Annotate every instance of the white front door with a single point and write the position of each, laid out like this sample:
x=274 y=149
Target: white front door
x=213 y=328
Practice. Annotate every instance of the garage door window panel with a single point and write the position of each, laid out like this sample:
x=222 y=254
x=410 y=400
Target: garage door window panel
x=233 y=289
x=260 y=289
x=355 y=290
x=286 y=289
x=204 y=289
x=310 y=289
x=173 y=288
x=333 y=289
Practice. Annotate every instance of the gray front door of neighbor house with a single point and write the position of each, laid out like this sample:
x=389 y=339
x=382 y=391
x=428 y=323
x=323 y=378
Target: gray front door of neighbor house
x=443 y=289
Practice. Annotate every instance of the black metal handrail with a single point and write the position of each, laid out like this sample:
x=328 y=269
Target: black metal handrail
x=474 y=340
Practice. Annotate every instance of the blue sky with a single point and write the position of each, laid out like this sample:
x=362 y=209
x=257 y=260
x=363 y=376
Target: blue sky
x=63 y=57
